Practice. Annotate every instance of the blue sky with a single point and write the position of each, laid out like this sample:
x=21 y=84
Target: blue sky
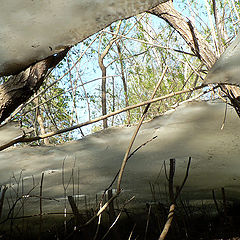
x=89 y=64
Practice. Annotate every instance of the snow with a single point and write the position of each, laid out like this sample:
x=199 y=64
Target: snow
x=193 y=129
x=33 y=30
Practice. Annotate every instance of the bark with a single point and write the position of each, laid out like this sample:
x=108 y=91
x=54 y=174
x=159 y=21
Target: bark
x=196 y=42
x=189 y=33
x=19 y=88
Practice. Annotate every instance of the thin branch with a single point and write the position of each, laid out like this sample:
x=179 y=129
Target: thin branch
x=40 y=205
x=139 y=147
x=70 y=89
x=170 y=180
x=225 y=116
x=3 y=190
x=101 y=210
x=98 y=226
x=213 y=33
x=148 y=43
x=148 y=219
x=60 y=131
x=172 y=197
x=168 y=223
x=117 y=218
x=131 y=233
x=215 y=202
x=124 y=162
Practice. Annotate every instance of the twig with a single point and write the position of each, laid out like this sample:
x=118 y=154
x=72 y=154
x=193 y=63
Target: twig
x=171 y=196
x=111 y=206
x=114 y=179
x=65 y=187
x=148 y=43
x=224 y=201
x=98 y=226
x=20 y=198
x=148 y=219
x=168 y=223
x=50 y=134
x=101 y=210
x=3 y=190
x=40 y=205
x=124 y=162
x=165 y=170
x=131 y=233
x=117 y=218
x=215 y=202
x=184 y=180
x=170 y=180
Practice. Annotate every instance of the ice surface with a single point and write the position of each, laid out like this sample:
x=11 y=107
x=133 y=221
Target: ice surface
x=227 y=68
x=9 y=133
x=193 y=129
x=33 y=30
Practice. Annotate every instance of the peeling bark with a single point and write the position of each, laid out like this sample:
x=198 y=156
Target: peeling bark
x=19 y=88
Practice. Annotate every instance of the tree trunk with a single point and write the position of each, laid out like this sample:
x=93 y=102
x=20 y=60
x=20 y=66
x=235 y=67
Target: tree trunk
x=19 y=88
x=196 y=42
x=104 y=94
x=189 y=33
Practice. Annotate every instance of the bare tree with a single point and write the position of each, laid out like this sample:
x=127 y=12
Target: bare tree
x=104 y=72
x=197 y=43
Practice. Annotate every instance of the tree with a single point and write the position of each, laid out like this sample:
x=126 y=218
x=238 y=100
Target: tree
x=200 y=47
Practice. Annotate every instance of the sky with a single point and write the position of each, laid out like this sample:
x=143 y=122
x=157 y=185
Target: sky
x=89 y=64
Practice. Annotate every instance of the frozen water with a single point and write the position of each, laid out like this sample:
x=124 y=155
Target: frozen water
x=33 y=30
x=227 y=68
x=193 y=129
